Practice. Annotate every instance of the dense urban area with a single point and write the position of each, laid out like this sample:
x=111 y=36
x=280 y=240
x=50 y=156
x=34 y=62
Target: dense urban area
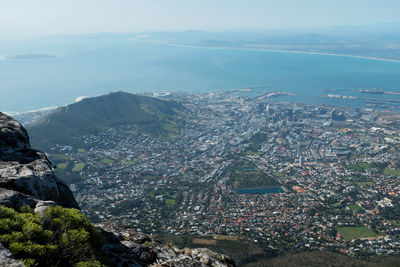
x=281 y=175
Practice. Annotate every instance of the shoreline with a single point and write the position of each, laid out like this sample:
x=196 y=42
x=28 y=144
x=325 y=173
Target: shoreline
x=267 y=94
x=15 y=113
x=49 y=108
x=331 y=54
x=280 y=51
x=80 y=98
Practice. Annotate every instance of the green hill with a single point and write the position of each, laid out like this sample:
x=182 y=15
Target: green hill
x=324 y=258
x=67 y=124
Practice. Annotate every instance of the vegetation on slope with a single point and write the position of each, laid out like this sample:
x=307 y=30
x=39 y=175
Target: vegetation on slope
x=324 y=258
x=59 y=237
x=66 y=125
x=310 y=259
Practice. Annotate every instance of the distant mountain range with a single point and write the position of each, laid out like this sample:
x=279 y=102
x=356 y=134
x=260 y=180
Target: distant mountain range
x=30 y=56
x=66 y=125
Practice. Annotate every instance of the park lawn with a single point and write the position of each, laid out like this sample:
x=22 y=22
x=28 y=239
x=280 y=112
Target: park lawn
x=129 y=162
x=78 y=167
x=62 y=166
x=395 y=222
x=247 y=175
x=171 y=128
x=170 y=201
x=279 y=174
x=81 y=150
x=203 y=241
x=255 y=143
x=107 y=161
x=355 y=207
x=350 y=233
x=254 y=153
x=364 y=183
x=389 y=171
x=226 y=237
x=360 y=166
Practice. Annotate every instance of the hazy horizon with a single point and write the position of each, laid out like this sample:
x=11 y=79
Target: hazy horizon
x=123 y=16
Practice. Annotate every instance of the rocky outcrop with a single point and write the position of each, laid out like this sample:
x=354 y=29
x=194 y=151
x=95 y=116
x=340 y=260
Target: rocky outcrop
x=26 y=175
x=7 y=259
x=13 y=137
x=126 y=247
x=27 y=178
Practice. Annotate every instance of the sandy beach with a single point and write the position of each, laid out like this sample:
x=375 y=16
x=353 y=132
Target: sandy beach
x=284 y=51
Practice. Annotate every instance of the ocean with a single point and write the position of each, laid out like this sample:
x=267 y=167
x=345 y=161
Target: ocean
x=89 y=65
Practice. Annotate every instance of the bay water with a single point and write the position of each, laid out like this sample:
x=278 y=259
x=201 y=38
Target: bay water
x=90 y=65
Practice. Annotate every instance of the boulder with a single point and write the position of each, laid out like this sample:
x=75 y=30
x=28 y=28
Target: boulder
x=26 y=171
x=12 y=135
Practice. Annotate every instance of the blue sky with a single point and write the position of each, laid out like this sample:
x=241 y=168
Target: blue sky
x=22 y=17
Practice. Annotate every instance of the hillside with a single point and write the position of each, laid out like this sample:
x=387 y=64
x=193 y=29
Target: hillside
x=41 y=224
x=324 y=258
x=67 y=124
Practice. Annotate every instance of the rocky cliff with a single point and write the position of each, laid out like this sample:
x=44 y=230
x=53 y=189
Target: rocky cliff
x=27 y=178
x=26 y=175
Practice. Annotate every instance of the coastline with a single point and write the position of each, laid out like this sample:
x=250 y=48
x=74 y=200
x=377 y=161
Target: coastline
x=330 y=54
x=49 y=108
x=279 y=51
x=15 y=113
x=36 y=108
x=80 y=98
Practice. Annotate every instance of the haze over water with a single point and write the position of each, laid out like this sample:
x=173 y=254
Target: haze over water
x=89 y=65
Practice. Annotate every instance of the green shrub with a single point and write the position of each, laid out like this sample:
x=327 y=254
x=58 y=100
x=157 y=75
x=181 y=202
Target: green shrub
x=7 y=212
x=7 y=225
x=29 y=262
x=26 y=209
x=89 y=264
x=63 y=237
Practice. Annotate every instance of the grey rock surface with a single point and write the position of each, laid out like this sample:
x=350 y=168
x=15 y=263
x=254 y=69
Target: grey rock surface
x=41 y=206
x=147 y=251
x=12 y=135
x=14 y=199
x=7 y=259
x=27 y=171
